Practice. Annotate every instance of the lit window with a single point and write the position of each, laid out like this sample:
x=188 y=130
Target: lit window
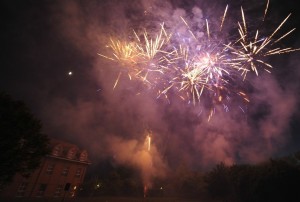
x=58 y=190
x=21 y=189
x=50 y=169
x=65 y=171
x=41 y=190
x=78 y=172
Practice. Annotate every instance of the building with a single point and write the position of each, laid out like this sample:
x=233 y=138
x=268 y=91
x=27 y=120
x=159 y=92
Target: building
x=60 y=174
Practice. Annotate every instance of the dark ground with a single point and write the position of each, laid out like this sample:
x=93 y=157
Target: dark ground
x=105 y=199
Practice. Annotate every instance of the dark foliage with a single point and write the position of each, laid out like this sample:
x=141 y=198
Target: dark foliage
x=274 y=181
x=123 y=180
x=114 y=181
x=218 y=182
x=21 y=141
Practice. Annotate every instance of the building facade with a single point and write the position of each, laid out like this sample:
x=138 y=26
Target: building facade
x=60 y=174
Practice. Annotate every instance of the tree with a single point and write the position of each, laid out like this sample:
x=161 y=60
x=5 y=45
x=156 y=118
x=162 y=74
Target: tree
x=274 y=181
x=21 y=141
x=279 y=181
x=219 y=183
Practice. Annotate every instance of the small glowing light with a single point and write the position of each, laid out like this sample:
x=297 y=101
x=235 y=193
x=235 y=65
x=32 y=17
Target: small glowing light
x=75 y=187
x=220 y=98
x=70 y=73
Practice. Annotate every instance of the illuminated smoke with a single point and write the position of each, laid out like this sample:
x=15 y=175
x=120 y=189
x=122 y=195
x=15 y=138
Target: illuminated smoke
x=180 y=132
x=135 y=153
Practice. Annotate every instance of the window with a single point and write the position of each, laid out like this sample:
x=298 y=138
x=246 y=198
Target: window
x=83 y=156
x=58 y=190
x=71 y=153
x=50 y=169
x=21 y=189
x=57 y=150
x=65 y=171
x=41 y=190
x=78 y=172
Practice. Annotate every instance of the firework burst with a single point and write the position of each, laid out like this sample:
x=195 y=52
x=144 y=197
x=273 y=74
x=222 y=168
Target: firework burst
x=249 y=52
x=193 y=66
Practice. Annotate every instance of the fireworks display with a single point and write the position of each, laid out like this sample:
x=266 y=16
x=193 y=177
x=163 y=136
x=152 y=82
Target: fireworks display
x=154 y=84
x=206 y=67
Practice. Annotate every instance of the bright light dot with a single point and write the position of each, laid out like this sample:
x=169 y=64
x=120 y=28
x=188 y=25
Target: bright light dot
x=70 y=73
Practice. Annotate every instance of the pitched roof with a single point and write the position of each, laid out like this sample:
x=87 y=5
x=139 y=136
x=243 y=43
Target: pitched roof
x=66 y=150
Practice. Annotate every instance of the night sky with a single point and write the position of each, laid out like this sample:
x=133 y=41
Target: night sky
x=43 y=41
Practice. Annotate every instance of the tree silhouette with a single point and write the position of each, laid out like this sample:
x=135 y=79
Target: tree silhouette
x=276 y=180
x=21 y=141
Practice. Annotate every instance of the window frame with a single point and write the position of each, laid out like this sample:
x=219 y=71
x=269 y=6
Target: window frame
x=65 y=171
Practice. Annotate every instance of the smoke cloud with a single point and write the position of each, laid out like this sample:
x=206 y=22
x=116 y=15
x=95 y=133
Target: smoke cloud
x=112 y=122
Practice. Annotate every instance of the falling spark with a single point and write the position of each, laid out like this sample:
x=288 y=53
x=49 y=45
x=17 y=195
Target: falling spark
x=117 y=80
x=207 y=29
x=266 y=10
x=223 y=18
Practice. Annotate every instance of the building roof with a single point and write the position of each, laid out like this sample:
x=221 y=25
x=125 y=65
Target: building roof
x=69 y=151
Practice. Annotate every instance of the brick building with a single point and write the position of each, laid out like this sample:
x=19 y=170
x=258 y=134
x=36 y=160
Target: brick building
x=60 y=174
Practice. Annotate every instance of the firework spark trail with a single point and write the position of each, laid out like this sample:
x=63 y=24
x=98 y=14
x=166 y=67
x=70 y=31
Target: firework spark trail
x=249 y=52
x=149 y=142
x=153 y=57
x=140 y=57
x=125 y=54
x=266 y=9
x=192 y=66
x=198 y=66
x=204 y=67
x=223 y=18
x=186 y=78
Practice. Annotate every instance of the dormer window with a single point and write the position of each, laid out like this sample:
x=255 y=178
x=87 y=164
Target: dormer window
x=83 y=156
x=57 y=150
x=71 y=153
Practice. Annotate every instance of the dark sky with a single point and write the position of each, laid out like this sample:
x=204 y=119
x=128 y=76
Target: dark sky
x=42 y=41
